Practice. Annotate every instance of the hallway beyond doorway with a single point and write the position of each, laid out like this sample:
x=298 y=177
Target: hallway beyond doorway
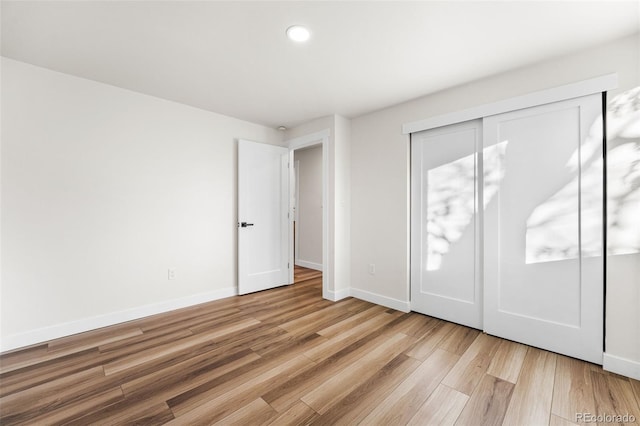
x=301 y=274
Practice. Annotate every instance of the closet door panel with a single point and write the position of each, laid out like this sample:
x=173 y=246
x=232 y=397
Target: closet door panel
x=543 y=277
x=444 y=236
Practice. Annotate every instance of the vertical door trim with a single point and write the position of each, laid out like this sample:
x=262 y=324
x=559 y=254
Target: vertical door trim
x=604 y=222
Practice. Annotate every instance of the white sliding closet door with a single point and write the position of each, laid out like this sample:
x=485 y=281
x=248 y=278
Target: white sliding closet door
x=543 y=224
x=444 y=238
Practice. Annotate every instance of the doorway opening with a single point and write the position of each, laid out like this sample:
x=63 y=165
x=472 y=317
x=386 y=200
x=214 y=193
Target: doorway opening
x=302 y=274
x=309 y=213
x=307 y=207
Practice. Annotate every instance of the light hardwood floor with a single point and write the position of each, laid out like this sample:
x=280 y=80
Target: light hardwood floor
x=286 y=356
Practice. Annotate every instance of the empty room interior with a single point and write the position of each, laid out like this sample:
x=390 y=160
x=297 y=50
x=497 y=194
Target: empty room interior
x=320 y=212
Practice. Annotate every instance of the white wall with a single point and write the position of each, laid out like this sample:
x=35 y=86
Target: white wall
x=623 y=238
x=342 y=170
x=103 y=190
x=380 y=181
x=309 y=213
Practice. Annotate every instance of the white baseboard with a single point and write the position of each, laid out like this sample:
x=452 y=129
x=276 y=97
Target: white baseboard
x=307 y=264
x=378 y=299
x=73 y=327
x=44 y=334
x=623 y=366
x=334 y=296
x=343 y=293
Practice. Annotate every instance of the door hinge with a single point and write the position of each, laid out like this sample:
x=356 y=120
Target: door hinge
x=288 y=265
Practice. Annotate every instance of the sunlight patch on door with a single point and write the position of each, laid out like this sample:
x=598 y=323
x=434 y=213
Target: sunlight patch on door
x=568 y=225
x=451 y=199
x=552 y=227
x=494 y=170
x=450 y=206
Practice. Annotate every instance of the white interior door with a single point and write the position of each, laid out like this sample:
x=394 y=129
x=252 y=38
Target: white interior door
x=445 y=279
x=263 y=224
x=543 y=264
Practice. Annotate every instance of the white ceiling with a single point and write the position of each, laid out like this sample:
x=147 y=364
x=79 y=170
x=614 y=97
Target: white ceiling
x=233 y=57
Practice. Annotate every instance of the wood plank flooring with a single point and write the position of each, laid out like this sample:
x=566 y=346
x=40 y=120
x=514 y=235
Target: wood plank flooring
x=287 y=357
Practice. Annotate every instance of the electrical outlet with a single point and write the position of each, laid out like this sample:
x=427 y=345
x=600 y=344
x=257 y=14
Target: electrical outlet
x=372 y=268
x=171 y=274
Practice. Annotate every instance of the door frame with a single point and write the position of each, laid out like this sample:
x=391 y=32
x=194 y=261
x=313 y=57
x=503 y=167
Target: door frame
x=318 y=138
x=296 y=214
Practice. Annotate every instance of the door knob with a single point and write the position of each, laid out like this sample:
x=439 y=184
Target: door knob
x=245 y=224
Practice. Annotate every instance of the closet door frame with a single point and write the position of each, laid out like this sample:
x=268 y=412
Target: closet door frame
x=561 y=93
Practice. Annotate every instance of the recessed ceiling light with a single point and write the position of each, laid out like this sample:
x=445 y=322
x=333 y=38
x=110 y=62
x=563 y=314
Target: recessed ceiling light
x=298 y=33
x=282 y=128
